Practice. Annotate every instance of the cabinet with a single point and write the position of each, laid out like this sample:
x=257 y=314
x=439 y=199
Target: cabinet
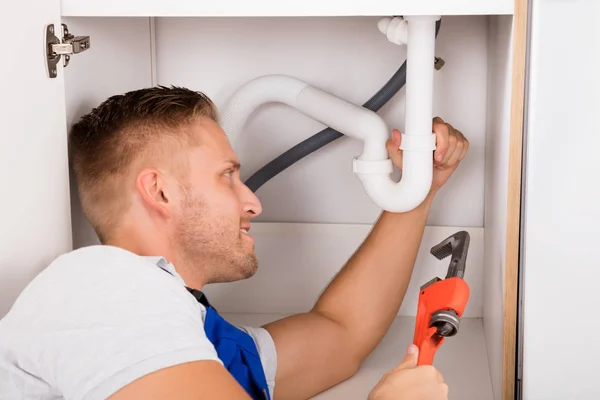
x=316 y=213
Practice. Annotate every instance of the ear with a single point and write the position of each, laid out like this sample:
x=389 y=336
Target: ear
x=151 y=185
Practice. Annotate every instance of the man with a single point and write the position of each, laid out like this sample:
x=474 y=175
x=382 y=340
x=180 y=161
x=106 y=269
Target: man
x=160 y=184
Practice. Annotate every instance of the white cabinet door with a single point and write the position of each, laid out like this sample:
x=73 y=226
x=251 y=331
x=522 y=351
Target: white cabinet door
x=35 y=220
x=562 y=215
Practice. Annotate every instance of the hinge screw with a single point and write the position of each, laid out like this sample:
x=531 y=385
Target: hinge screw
x=438 y=63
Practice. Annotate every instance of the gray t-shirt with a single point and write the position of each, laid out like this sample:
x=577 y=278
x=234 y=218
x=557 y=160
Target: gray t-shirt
x=99 y=318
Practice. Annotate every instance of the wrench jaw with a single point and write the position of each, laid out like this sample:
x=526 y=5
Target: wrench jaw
x=456 y=246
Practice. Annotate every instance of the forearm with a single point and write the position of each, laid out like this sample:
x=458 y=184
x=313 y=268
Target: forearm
x=365 y=296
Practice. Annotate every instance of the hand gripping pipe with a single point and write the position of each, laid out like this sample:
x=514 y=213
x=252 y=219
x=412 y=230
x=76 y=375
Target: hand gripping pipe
x=372 y=167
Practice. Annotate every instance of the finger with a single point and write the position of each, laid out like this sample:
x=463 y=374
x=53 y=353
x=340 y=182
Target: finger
x=441 y=139
x=393 y=148
x=462 y=146
x=410 y=359
x=440 y=377
x=438 y=120
x=393 y=143
x=465 y=149
x=458 y=149
x=396 y=138
x=431 y=373
x=451 y=148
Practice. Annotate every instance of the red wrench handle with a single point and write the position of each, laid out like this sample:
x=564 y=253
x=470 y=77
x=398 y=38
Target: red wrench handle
x=428 y=346
x=448 y=294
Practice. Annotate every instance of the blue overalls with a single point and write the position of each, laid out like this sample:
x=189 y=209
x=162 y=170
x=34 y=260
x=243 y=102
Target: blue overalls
x=236 y=349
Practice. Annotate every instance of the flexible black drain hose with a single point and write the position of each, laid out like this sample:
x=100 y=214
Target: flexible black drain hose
x=327 y=135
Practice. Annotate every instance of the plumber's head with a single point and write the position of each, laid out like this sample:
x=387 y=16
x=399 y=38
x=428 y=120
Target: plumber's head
x=156 y=175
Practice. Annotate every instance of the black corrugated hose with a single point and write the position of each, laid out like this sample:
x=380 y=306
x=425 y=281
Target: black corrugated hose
x=327 y=135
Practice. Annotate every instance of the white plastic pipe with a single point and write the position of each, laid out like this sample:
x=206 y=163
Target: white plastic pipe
x=349 y=119
x=418 y=142
x=420 y=53
x=372 y=166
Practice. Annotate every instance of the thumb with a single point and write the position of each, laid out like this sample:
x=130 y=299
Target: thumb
x=393 y=148
x=411 y=358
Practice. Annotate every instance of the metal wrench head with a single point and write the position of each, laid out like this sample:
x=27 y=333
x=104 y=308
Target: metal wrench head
x=456 y=245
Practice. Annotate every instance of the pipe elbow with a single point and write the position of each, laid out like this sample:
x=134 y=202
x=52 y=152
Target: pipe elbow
x=254 y=93
x=402 y=196
x=376 y=135
x=395 y=197
x=352 y=120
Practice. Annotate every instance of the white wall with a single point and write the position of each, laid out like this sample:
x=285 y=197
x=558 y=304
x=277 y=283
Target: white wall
x=297 y=261
x=562 y=234
x=350 y=58
x=496 y=191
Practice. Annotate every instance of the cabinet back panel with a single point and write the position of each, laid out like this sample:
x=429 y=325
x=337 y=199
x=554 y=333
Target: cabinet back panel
x=350 y=58
x=297 y=261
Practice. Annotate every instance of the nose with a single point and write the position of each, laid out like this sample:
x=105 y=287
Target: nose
x=250 y=203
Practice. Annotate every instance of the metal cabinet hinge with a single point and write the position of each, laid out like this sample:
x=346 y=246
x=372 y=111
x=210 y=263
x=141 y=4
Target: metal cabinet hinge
x=66 y=47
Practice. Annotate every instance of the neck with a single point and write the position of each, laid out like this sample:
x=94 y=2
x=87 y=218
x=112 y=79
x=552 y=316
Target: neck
x=140 y=245
x=144 y=243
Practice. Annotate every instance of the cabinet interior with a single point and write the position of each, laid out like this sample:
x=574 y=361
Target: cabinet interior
x=315 y=213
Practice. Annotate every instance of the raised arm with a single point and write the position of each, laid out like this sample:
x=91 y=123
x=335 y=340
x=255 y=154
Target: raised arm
x=325 y=346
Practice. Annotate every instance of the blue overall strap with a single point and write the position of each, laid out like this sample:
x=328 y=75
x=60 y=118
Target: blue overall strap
x=236 y=349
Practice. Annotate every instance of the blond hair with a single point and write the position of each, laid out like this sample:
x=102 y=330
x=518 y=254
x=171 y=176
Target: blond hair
x=106 y=142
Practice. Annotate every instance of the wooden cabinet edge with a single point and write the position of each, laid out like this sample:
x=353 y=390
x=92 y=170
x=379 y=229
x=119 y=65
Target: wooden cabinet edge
x=513 y=220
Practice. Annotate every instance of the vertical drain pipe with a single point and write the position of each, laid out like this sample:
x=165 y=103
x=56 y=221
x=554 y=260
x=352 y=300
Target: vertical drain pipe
x=418 y=141
x=417 y=136
x=420 y=54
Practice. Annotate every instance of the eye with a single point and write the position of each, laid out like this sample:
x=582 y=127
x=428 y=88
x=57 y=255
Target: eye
x=229 y=173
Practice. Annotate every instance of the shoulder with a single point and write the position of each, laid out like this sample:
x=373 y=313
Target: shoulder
x=100 y=317
x=103 y=274
x=101 y=285
x=108 y=263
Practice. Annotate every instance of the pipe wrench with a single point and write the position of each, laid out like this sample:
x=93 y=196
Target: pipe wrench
x=442 y=301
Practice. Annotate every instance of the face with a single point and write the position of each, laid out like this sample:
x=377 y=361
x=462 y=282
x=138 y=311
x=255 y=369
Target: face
x=212 y=223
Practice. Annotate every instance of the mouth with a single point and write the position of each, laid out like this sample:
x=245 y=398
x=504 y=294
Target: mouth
x=245 y=235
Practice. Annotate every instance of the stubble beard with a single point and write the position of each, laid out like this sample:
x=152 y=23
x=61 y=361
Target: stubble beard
x=212 y=246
